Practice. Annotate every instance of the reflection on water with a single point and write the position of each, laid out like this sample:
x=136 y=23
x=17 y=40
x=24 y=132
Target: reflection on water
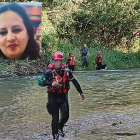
x=112 y=97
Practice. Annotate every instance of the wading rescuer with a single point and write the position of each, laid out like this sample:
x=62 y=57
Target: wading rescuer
x=71 y=62
x=57 y=78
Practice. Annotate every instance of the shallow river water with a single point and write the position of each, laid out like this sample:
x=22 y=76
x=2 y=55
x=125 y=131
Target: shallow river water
x=111 y=110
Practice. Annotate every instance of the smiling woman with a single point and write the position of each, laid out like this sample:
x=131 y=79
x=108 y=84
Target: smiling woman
x=17 y=34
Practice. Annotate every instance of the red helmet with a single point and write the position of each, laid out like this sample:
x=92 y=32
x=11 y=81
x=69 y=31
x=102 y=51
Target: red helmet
x=57 y=55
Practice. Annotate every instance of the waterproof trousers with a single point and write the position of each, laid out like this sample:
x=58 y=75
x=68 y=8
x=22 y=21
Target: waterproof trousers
x=72 y=67
x=100 y=66
x=85 y=61
x=55 y=105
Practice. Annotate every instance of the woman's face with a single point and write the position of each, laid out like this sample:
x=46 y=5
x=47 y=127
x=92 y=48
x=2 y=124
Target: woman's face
x=13 y=35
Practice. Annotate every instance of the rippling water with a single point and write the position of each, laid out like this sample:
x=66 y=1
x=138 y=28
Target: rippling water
x=110 y=111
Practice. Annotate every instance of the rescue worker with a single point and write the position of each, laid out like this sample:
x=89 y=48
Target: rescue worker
x=84 y=52
x=57 y=78
x=71 y=62
x=98 y=61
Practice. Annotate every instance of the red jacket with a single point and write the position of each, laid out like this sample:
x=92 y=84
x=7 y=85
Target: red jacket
x=100 y=58
x=72 y=60
x=61 y=80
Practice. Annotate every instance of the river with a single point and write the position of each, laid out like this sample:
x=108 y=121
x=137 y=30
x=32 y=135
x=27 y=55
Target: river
x=111 y=110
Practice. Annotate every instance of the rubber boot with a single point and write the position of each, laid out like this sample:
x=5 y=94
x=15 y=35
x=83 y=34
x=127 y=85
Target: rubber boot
x=56 y=137
x=61 y=132
x=86 y=64
x=83 y=64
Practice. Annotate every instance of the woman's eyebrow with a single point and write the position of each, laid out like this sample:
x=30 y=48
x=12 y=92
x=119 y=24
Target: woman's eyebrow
x=3 y=29
x=17 y=26
x=12 y=27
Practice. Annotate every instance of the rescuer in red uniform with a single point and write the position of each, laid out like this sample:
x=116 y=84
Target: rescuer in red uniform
x=71 y=62
x=98 y=61
x=57 y=78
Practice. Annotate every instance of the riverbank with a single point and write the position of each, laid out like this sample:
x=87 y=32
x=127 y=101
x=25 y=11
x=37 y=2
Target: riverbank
x=115 y=59
x=22 y=68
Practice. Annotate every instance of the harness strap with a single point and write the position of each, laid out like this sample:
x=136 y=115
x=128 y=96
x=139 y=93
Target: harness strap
x=54 y=77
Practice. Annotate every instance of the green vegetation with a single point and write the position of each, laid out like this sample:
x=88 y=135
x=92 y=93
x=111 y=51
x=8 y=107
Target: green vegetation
x=113 y=58
x=111 y=26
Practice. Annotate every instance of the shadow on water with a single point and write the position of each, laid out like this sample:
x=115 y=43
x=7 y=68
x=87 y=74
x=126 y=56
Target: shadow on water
x=110 y=110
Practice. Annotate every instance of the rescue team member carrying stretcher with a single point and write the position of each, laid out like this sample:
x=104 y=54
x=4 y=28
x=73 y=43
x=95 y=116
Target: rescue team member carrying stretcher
x=57 y=78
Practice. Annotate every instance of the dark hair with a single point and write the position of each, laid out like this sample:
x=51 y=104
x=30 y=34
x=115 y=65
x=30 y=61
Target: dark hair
x=70 y=54
x=32 y=49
